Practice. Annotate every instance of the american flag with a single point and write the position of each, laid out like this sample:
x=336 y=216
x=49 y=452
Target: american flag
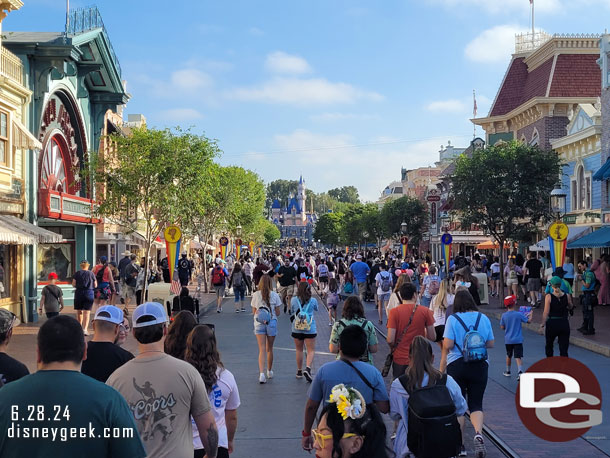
x=175 y=285
x=474 y=108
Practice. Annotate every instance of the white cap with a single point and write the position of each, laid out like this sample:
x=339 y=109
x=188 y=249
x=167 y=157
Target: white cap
x=153 y=309
x=115 y=314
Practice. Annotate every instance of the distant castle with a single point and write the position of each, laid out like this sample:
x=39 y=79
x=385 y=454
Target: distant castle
x=294 y=222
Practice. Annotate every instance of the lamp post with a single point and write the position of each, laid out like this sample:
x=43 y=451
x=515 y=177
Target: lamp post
x=365 y=235
x=558 y=231
x=403 y=228
x=557 y=201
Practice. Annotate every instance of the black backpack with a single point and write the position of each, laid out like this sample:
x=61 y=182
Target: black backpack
x=434 y=431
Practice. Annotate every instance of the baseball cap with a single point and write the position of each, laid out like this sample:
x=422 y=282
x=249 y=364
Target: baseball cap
x=559 y=272
x=52 y=276
x=7 y=320
x=359 y=256
x=153 y=309
x=103 y=259
x=510 y=300
x=556 y=281
x=115 y=314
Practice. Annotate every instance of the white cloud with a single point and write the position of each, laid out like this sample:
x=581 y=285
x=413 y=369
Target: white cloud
x=190 y=79
x=446 y=106
x=303 y=92
x=180 y=114
x=332 y=117
x=493 y=45
x=281 y=62
x=501 y=7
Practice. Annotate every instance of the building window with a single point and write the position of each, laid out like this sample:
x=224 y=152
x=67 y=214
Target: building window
x=588 y=192
x=6 y=261
x=581 y=189
x=58 y=258
x=4 y=149
x=574 y=195
x=535 y=138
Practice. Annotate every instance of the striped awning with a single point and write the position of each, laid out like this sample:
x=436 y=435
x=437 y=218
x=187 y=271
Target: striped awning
x=15 y=231
x=23 y=138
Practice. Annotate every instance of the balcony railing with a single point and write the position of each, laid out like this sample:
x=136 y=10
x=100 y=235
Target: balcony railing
x=85 y=19
x=11 y=66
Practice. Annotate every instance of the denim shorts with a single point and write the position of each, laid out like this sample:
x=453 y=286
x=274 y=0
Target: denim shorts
x=239 y=294
x=266 y=329
x=385 y=297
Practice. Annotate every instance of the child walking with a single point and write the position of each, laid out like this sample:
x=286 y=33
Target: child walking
x=332 y=300
x=511 y=322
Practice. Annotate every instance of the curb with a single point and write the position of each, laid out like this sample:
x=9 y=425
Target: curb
x=577 y=341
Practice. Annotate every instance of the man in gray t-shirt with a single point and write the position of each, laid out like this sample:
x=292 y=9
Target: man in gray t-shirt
x=51 y=300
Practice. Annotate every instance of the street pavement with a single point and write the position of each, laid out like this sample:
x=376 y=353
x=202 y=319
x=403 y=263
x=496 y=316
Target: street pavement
x=499 y=401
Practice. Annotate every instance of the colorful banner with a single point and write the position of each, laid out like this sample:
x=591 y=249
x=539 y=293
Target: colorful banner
x=173 y=237
x=238 y=243
x=404 y=243
x=251 y=247
x=446 y=241
x=260 y=250
x=224 y=243
x=558 y=241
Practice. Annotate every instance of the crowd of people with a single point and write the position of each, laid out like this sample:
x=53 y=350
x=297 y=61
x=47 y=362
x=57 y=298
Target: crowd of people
x=178 y=398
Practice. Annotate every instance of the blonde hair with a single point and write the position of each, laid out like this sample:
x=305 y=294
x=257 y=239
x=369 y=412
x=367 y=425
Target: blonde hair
x=402 y=279
x=440 y=300
x=264 y=285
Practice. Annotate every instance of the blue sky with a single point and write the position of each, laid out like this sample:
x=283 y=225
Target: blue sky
x=345 y=92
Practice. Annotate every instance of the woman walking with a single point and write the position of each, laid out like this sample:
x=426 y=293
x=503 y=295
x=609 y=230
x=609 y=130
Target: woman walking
x=471 y=376
x=511 y=277
x=238 y=281
x=265 y=308
x=302 y=308
x=555 y=321
x=602 y=272
x=202 y=353
x=420 y=373
x=353 y=313
x=395 y=299
x=464 y=277
x=85 y=283
x=442 y=306
x=332 y=300
x=105 y=282
x=179 y=329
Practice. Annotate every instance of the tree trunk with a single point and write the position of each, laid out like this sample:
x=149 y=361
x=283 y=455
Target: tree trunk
x=501 y=272
x=146 y=263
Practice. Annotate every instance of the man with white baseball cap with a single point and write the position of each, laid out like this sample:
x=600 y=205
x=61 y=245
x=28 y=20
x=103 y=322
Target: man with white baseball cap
x=103 y=355
x=164 y=392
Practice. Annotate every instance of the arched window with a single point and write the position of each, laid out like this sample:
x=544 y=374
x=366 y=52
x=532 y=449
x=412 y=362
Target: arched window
x=535 y=138
x=53 y=172
x=581 y=189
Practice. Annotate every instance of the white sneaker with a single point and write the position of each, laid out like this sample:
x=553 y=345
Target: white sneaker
x=262 y=378
x=269 y=374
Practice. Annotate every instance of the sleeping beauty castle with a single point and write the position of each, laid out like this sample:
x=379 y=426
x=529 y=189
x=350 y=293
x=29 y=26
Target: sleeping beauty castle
x=294 y=222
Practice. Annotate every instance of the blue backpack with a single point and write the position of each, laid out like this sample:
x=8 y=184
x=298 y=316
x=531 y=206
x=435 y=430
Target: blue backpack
x=474 y=347
x=348 y=288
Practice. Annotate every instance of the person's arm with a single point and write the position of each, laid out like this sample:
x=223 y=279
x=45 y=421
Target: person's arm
x=208 y=432
x=41 y=306
x=74 y=283
x=311 y=407
x=383 y=406
x=490 y=343
x=61 y=302
x=430 y=333
x=231 y=421
x=333 y=348
x=373 y=348
x=547 y=310
x=391 y=336
x=447 y=346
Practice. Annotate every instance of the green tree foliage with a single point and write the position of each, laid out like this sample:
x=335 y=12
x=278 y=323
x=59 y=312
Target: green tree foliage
x=144 y=182
x=505 y=188
x=329 y=228
x=407 y=209
x=271 y=233
x=346 y=194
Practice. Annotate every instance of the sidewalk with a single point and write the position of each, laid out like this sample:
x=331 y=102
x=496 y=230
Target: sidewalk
x=598 y=343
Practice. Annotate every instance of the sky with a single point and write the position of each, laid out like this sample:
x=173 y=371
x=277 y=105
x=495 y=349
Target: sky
x=344 y=92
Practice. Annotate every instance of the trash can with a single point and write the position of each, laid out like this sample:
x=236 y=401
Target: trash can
x=483 y=287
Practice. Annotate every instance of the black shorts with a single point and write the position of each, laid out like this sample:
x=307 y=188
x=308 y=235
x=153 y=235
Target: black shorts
x=303 y=336
x=440 y=330
x=472 y=378
x=323 y=279
x=495 y=276
x=516 y=349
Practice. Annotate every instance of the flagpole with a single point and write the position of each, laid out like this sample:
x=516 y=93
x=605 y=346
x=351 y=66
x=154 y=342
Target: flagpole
x=533 y=33
x=474 y=114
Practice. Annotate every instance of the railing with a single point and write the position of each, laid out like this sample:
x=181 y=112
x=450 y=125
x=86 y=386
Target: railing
x=11 y=66
x=84 y=19
x=525 y=42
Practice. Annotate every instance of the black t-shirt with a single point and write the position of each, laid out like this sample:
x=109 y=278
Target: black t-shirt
x=533 y=266
x=288 y=275
x=11 y=369
x=51 y=294
x=84 y=279
x=103 y=358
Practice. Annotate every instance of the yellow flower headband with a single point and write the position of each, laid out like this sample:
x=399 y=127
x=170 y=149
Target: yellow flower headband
x=350 y=402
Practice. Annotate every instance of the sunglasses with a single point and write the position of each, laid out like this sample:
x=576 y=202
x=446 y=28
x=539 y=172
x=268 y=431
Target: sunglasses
x=124 y=328
x=320 y=438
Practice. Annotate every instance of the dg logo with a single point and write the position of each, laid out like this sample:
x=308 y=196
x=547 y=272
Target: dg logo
x=559 y=399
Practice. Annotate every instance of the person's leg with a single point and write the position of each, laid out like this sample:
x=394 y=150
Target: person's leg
x=379 y=309
x=236 y=292
x=298 y=344
x=85 y=320
x=563 y=337
x=311 y=351
x=270 y=341
x=549 y=334
x=79 y=317
x=261 y=340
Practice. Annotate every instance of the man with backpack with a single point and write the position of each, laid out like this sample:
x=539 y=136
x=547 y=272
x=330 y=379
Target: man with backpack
x=185 y=270
x=218 y=279
x=430 y=287
x=131 y=279
x=384 y=283
x=323 y=278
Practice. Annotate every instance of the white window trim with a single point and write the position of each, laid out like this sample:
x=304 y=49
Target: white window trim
x=574 y=182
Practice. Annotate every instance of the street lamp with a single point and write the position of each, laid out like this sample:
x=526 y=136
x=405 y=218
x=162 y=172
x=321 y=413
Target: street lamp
x=238 y=231
x=365 y=235
x=403 y=228
x=558 y=201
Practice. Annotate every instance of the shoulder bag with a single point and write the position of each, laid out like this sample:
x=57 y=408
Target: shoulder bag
x=390 y=358
x=360 y=374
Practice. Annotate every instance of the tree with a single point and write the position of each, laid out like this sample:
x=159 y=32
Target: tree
x=329 y=228
x=505 y=190
x=405 y=209
x=271 y=234
x=146 y=179
x=347 y=194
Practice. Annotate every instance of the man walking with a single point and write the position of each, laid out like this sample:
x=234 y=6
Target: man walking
x=534 y=268
x=588 y=299
x=218 y=279
x=360 y=270
x=184 y=270
x=287 y=278
x=164 y=392
x=65 y=400
x=10 y=368
x=103 y=356
x=131 y=279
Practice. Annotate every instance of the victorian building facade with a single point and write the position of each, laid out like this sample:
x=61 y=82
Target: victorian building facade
x=75 y=78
